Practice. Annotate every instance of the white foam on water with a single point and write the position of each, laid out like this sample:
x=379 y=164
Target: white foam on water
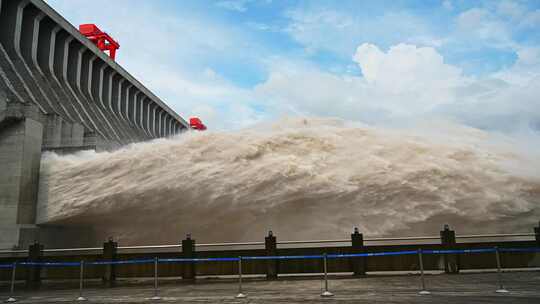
x=303 y=178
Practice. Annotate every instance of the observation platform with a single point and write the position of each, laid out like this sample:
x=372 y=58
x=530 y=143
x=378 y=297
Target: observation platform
x=445 y=289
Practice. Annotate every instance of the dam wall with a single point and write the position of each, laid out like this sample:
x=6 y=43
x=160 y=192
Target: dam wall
x=59 y=92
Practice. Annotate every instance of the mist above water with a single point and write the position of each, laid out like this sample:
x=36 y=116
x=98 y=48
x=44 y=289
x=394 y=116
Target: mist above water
x=302 y=178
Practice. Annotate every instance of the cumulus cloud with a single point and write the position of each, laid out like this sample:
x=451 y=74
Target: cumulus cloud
x=407 y=82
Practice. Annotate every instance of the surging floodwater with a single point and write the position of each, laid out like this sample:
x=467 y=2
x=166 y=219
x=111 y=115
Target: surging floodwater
x=301 y=178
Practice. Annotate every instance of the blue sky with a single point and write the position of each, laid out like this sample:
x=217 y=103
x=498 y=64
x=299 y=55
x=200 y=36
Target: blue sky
x=239 y=62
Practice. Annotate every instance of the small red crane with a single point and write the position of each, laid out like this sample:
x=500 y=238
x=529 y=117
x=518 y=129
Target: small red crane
x=196 y=124
x=103 y=41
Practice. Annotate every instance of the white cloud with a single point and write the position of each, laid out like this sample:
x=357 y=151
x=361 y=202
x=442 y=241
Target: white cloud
x=233 y=5
x=340 y=32
x=525 y=69
x=511 y=9
x=406 y=80
x=479 y=23
x=531 y=20
x=402 y=83
x=447 y=4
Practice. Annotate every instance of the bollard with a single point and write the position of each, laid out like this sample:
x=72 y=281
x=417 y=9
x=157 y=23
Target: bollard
x=423 y=291
x=156 y=296
x=188 y=252
x=270 y=246
x=326 y=293
x=240 y=294
x=110 y=249
x=499 y=274
x=358 y=263
x=81 y=279
x=12 y=289
x=35 y=253
x=448 y=240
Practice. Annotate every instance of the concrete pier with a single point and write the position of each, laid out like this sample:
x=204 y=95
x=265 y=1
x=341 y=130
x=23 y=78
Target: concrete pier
x=59 y=92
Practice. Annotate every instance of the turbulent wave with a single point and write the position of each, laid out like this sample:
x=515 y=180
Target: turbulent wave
x=302 y=178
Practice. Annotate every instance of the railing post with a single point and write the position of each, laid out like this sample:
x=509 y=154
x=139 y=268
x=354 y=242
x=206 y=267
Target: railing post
x=326 y=292
x=110 y=250
x=35 y=253
x=156 y=291
x=537 y=234
x=358 y=263
x=81 y=282
x=423 y=291
x=240 y=294
x=270 y=246
x=448 y=240
x=188 y=252
x=499 y=274
x=12 y=298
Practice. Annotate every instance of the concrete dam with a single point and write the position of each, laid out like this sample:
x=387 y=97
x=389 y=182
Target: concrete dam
x=59 y=92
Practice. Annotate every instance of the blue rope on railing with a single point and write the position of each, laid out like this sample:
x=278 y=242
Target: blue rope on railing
x=183 y=260
x=370 y=254
x=123 y=262
x=519 y=249
x=448 y=251
x=50 y=264
x=282 y=257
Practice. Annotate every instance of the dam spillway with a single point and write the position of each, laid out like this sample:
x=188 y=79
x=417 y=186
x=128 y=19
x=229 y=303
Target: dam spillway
x=302 y=178
x=59 y=92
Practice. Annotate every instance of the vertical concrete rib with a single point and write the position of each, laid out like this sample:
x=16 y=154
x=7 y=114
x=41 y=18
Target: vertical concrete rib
x=53 y=69
x=140 y=111
x=119 y=97
x=160 y=125
x=39 y=56
x=107 y=131
x=57 y=69
x=81 y=83
x=69 y=75
x=11 y=64
x=100 y=74
x=127 y=100
x=24 y=45
x=6 y=72
x=124 y=99
x=153 y=120
x=45 y=60
x=148 y=117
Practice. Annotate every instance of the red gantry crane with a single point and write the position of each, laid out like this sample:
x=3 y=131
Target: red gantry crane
x=101 y=39
x=196 y=124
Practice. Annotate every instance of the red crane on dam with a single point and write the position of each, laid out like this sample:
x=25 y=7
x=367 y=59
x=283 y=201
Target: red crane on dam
x=101 y=39
x=196 y=124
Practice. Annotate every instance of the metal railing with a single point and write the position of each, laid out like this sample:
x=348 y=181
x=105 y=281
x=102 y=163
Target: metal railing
x=298 y=242
x=325 y=256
